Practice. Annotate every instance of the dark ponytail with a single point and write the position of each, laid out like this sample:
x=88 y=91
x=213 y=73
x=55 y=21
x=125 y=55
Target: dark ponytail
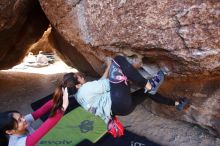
x=57 y=100
x=69 y=81
x=7 y=122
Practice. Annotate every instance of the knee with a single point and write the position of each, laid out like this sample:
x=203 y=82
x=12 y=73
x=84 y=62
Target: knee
x=119 y=58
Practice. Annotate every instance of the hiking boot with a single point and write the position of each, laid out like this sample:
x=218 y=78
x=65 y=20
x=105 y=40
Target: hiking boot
x=182 y=104
x=155 y=82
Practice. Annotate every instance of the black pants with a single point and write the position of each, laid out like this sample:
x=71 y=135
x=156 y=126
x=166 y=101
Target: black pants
x=121 y=96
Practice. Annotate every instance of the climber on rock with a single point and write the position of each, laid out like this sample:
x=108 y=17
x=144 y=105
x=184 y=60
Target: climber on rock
x=111 y=96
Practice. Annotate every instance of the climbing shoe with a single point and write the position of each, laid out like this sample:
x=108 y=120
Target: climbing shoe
x=155 y=82
x=182 y=104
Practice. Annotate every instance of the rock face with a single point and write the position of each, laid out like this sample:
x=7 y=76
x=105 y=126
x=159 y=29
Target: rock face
x=43 y=44
x=22 y=23
x=204 y=96
x=180 y=36
x=184 y=35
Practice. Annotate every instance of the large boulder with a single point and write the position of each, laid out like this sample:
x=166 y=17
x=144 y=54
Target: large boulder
x=22 y=22
x=182 y=36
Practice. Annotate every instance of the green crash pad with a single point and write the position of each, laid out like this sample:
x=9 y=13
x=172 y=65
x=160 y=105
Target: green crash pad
x=74 y=127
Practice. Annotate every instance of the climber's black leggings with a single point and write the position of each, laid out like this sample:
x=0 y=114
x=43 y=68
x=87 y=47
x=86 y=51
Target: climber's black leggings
x=121 y=97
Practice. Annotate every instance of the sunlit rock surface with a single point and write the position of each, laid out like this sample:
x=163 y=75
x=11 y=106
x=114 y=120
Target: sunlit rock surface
x=43 y=44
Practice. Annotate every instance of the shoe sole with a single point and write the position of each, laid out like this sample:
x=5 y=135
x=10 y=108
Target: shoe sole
x=155 y=89
x=185 y=106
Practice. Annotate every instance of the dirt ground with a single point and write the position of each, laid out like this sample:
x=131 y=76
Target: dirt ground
x=19 y=89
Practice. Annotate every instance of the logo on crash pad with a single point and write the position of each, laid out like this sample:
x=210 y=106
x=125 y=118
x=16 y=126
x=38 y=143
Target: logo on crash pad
x=86 y=126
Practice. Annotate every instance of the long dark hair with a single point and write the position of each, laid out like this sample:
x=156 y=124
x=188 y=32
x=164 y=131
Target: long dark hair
x=7 y=122
x=68 y=81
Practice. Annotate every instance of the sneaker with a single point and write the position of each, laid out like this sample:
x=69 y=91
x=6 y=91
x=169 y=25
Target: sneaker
x=155 y=82
x=182 y=104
